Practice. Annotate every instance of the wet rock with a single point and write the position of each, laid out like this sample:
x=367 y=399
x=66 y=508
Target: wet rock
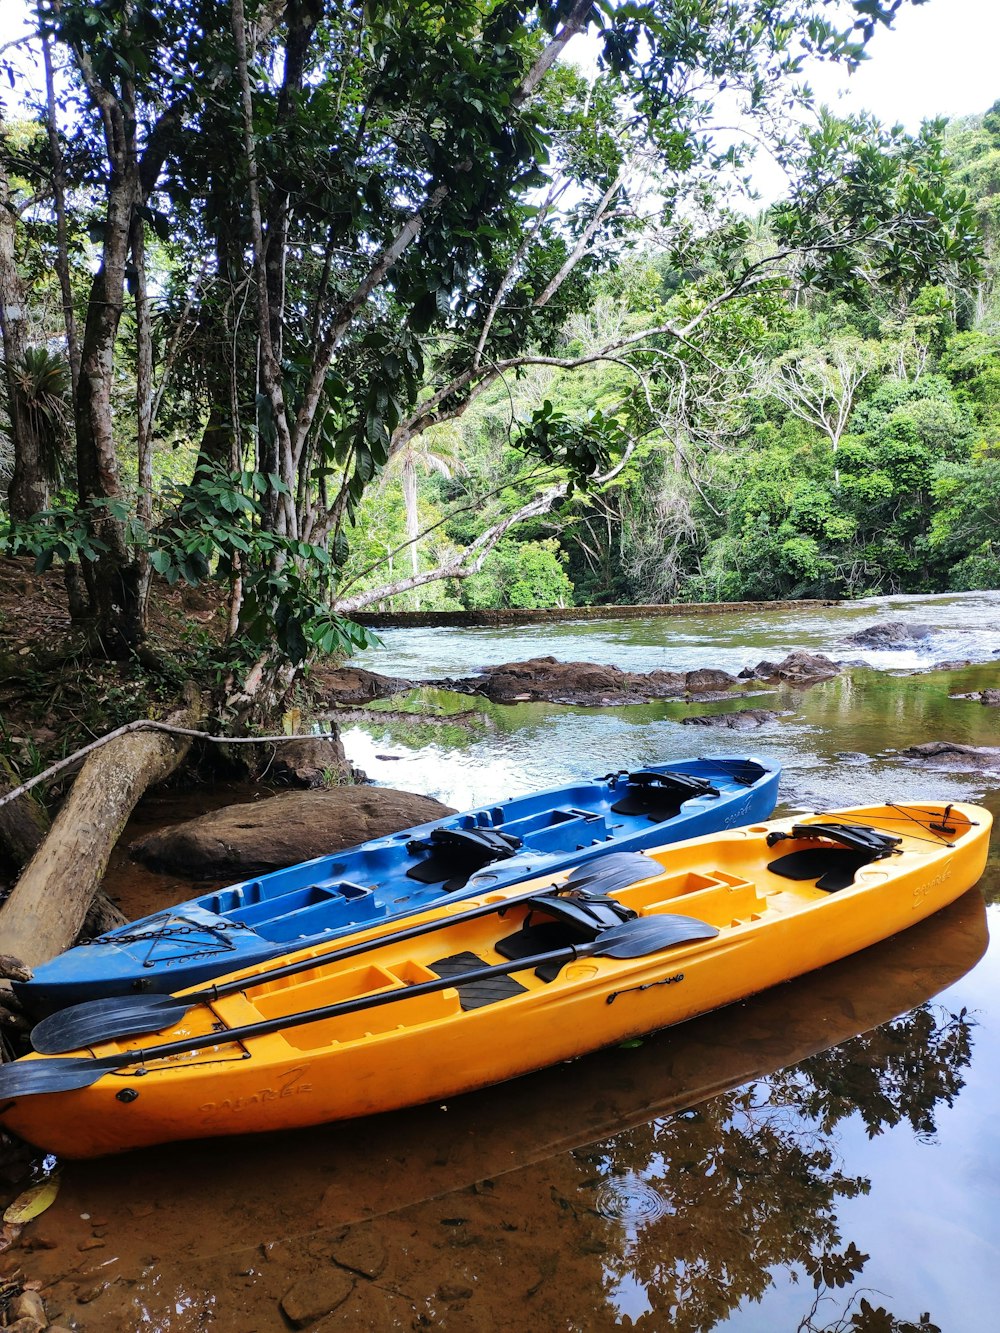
x=952 y=666
x=798 y=668
x=266 y=835
x=318 y=761
x=361 y=1252
x=707 y=678
x=369 y=1308
x=29 y=1305
x=890 y=634
x=353 y=685
x=951 y=755
x=589 y=683
x=88 y=1294
x=316 y=1294
x=744 y=719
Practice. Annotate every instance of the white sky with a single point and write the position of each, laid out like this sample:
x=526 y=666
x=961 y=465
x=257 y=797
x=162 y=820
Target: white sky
x=940 y=58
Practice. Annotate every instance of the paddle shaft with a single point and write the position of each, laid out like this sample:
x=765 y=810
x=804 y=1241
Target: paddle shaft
x=92 y=1021
x=140 y=1056
x=211 y=993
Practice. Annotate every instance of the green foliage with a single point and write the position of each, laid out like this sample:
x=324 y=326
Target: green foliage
x=213 y=530
x=433 y=235
x=521 y=574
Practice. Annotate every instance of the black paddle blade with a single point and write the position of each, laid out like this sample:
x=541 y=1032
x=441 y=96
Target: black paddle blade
x=28 y=1078
x=647 y=934
x=94 y=1021
x=617 y=870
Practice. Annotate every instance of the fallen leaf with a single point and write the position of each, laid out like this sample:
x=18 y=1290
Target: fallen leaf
x=33 y=1201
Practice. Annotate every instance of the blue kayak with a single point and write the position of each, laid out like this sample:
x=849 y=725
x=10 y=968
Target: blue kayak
x=406 y=872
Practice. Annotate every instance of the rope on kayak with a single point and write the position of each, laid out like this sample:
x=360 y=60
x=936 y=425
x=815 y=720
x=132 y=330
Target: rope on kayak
x=648 y=985
x=943 y=830
x=178 y=930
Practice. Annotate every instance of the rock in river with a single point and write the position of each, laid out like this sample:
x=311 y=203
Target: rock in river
x=265 y=835
x=951 y=755
x=890 y=634
x=548 y=679
x=742 y=720
x=798 y=668
x=354 y=685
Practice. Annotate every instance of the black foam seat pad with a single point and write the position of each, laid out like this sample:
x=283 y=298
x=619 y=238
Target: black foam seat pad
x=655 y=803
x=476 y=994
x=832 y=868
x=449 y=869
x=545 y=937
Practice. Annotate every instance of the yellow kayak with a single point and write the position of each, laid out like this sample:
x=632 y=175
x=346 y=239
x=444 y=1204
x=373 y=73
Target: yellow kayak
x=487 y=989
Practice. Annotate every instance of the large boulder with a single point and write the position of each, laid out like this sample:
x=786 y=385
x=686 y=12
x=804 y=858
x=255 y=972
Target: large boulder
x=547 y=679
x=798 y=668
x=252 y=839
x=890 y=634
x=354 y=685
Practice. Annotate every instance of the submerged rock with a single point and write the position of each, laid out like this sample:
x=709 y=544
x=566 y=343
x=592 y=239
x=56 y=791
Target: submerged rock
x=255 y=838
x=890 y=634
x=742 y=720
x=315 y=1295
x=547 y=679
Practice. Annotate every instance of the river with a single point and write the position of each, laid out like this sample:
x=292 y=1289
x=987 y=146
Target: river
x=823 y=1152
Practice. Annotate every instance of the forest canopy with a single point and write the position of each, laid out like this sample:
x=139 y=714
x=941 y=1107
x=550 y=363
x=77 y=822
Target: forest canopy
x=465 y=304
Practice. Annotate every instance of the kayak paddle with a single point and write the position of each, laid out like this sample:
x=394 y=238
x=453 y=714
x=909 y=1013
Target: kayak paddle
x=629 y=939
x=94 y=1021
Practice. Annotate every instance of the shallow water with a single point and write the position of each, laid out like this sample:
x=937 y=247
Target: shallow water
x=766 y=1168
x=961 y=625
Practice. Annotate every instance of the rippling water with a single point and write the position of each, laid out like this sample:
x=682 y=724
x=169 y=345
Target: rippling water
x=767 y=1168
x=962 y=625
x=837 y=740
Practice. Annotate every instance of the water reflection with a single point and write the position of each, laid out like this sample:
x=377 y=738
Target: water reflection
x=839 y=742
x=666 y=1183
x=750 y=1180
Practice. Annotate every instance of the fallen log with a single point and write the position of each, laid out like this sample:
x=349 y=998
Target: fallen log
x=49 y=903
x=23 y=823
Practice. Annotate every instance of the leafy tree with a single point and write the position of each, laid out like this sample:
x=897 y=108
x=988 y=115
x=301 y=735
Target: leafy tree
x=520 y=574
x=367 y=216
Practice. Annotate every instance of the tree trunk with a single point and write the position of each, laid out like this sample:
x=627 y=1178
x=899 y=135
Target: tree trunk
x=28 y=492
x=47 y=907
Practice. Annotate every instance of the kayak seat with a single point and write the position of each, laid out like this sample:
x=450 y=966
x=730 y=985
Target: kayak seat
x=455 y=854
x=659 y=796
x=832 y=867
x=476 y=994
x=579 y=918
